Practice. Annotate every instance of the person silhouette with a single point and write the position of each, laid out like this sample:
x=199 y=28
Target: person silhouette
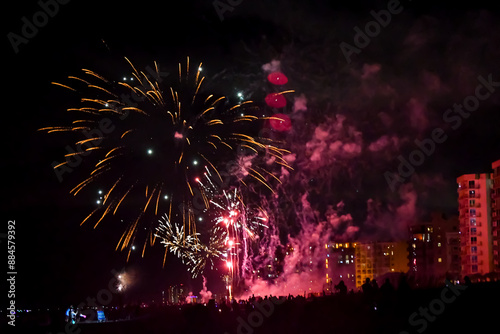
x=68 y=313
x=467 y=281
x=367 y=288
x=341 y=288
x=387 y=289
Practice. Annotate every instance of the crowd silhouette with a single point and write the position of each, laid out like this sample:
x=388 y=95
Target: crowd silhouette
x=373 y=309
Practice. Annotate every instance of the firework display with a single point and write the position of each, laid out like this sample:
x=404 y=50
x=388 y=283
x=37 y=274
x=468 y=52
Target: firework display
x=232 y=229
x=158 y=142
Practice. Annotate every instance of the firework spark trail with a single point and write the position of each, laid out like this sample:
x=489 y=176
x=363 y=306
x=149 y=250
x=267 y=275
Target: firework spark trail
x=155 y=142
x=230 y=234
x=188 y=248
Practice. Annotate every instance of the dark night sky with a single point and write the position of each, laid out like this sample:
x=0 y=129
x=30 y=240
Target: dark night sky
x=60 y=262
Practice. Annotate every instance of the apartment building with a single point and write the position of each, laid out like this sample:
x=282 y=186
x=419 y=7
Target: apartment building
x=474 y=205
x=374 y=259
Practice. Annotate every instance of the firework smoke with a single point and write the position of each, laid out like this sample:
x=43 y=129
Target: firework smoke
x=205 y=294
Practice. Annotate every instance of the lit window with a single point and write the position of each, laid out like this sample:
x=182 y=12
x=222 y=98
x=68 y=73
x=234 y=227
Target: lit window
x=439 y=244
x=473 y=240
x=473 y=249
x=440 y=259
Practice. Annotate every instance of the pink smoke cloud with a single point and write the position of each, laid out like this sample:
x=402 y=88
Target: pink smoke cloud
x=300 y=103
x=204 y=293
x=273 y=66
x=384 y=142
x=418 y=113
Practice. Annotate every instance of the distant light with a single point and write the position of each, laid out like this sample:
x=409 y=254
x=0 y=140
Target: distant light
x=133 y=247
x=200 y=219
x=197 y=179
x=165 y=197
x=240 y=94
x=98 y=202
x=150 y=151
x=124 y=78
x=195 y=162
x=200 y=68
x=100 y=192
x=131 y=79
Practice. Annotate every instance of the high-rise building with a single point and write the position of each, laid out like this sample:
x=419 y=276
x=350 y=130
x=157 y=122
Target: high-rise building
x=453 y=255
x=474 y=205
x=434 y=250
x=339 y=264
x=374 y=259
x=495 y=215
